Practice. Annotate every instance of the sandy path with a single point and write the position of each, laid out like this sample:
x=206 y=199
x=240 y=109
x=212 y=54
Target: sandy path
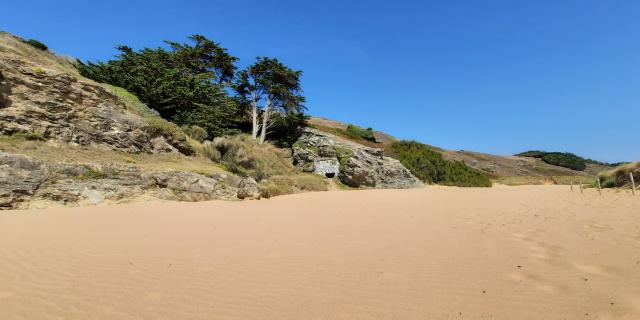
x=537 y=252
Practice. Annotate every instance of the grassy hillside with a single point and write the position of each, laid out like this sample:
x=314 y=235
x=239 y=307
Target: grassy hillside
x=511 y=170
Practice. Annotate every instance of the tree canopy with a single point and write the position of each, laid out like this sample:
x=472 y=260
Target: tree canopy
x=185 y=83
x=272 y=90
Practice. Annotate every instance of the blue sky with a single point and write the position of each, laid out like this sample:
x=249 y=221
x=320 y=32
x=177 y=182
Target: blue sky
x=491 y=76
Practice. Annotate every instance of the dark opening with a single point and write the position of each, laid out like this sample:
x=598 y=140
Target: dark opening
x=330 y=174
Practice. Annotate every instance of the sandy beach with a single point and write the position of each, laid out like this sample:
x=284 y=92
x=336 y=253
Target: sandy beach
x=531 y=252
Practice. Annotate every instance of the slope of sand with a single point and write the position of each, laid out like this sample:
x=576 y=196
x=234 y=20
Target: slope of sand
x=535 y=252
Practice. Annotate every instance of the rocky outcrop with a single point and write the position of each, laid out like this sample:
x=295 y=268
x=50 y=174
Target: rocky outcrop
x=355 y=165
x=29 y=183
x=57 y=105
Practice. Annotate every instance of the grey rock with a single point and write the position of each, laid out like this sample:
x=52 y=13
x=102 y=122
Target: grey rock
x=248 y=189
x=355 y=165
x=25 y=182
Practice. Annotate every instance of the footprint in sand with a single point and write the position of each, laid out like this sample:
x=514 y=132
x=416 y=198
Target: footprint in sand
x=594 y=226
x=539 y=250
x=535 y=281
x=600 y=270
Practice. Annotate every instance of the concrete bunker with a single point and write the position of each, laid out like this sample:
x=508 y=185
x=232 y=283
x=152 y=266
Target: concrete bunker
x=328 y=167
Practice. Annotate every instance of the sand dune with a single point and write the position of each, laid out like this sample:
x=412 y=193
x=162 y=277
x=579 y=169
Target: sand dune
x=534 y=252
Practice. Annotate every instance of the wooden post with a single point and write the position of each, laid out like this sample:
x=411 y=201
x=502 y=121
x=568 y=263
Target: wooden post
x=599 y=188
x=580 y=183
x=633 y=184
x=571 y=185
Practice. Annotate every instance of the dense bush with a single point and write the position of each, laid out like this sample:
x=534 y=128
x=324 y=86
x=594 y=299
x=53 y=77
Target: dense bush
x=532 y=154
x=567 y=160
x=358 y=132
x=195 y=132
x=36 y=44
x=430 y=167
x=287 y=128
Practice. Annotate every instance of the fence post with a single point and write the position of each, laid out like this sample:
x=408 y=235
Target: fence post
x=599 y=188
x=571 y=185
x=633 y=184
x=580 y=183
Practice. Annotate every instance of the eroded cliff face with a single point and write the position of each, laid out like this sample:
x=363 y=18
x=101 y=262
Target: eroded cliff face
x=26 y=182
x=355 y=165
x=42 y=101
x=43 y=98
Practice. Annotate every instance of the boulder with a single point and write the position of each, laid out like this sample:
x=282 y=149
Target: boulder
x=355 y=165
x=248 y=189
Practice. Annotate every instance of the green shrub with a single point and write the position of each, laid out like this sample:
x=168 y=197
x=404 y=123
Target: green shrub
x=430 y=167
x=36 y=44
x=359 y=132
x=564 y=159
x=532 y=154
x=196 y=132
x=567 y=160
x=33 y=136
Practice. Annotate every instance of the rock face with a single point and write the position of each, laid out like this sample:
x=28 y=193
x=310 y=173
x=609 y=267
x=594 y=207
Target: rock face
x=355 y=165
x=29 y=183
x=57 y=105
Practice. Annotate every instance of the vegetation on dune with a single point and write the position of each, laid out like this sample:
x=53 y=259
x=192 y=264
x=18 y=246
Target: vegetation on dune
x=567 y=160
x=620 y=176
x=564 y=159
x=247 y=157
x=343 y=133
x=280 y=185
x=36 y=44
x=430 y=167
x=195 y=132
x=355 y=131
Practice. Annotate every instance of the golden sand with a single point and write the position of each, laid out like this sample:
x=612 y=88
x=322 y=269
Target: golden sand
x=533 y=252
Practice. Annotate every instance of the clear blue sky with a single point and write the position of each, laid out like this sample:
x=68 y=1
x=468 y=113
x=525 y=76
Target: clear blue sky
x=492 y=76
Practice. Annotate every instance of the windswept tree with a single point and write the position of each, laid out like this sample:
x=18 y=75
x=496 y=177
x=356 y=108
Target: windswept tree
x=272 y=90
x=186 y=83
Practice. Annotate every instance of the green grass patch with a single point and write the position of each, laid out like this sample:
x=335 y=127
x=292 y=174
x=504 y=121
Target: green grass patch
x=430 y=167
x=31 y=136
x=358 y=132
x=36 y=44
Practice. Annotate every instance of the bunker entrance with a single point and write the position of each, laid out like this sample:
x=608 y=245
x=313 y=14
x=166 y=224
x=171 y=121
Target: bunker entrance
x=330 y=174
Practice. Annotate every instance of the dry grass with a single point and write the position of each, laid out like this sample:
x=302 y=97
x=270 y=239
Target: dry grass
x=245 y=156
x=300 y=182
x=544 y=180
x=53 y=152
x=10 y=44
x=619 y=176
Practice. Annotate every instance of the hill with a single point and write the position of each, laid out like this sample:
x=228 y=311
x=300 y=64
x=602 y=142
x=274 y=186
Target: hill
x=68 y=140
x=502 y=169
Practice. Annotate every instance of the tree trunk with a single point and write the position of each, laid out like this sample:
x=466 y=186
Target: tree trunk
x=265 y=120
x=254 y=114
